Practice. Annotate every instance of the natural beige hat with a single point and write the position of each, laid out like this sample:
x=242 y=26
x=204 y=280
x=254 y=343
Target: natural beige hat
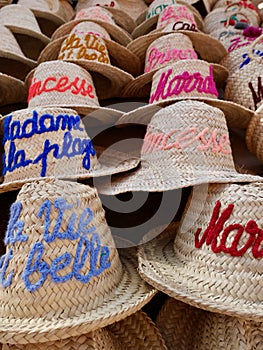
x=214 y=261
x=121 y=17
x=163 y=91
x=254 y=134
x=45 y=142
x=13 y=61
x=22 y=22
x=63 y=275
x=186 y=143
x=5 y=2
x=185 y=327
x=12 y=90
x=100 y=16
x=156 y=10
x=67 y=85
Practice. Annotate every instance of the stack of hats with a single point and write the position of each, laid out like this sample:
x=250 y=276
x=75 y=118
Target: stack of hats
x=79 y=85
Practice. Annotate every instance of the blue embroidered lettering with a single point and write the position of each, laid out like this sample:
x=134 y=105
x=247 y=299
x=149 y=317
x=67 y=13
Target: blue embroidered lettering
x=4 y=263
x=15 y=225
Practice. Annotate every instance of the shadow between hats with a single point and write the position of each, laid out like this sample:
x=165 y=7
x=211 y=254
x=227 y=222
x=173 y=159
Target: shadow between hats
x=14 y=68
x=31 y=47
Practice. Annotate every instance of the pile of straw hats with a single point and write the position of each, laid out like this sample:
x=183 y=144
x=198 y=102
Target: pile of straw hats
x=105 y=102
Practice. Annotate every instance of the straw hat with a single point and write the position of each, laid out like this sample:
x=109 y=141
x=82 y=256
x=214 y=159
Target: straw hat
x=22 y=22
x=52 y=142
x=13 y=61
x=50 y=14
x=100 y=16
x=186 y=144
x=12 y=90
x=79 y=282
x=254 y=134
x=161 y=94
x=244 y=85
x=5 y=2
x=214 y=259
x=185 y=327
x=121 y=18
x=90 y=46
x=157 y=7
x=67 y=85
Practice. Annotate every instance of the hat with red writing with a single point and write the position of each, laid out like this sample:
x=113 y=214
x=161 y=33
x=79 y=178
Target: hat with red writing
x=97 y=15
x=184 y=80
x=67 y=85
x=185 y=144
x=179 y=9
x=62 y=275
x=186 y=327
x=164 y=51
x=43 y=142
x=90 y=46
x=214 y=260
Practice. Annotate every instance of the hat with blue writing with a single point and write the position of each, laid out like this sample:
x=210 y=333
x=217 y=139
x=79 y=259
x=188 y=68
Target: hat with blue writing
x=62 y=275
x=52 y=142
x=214 y=259
x=186 y=143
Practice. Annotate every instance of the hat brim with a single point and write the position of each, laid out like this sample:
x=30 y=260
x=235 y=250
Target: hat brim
x=202 y=44
x=122 y=18
x=236 y=115
x=30 y=33
x=159 y=266
x=130 y=296
x=12 y=90
x=21 y=65
x=117 y=33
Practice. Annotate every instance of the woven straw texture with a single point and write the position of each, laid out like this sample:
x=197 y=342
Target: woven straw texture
x=185 y=328
x=55 y=310
x=167 y=162
x=214 y=281
x=254 y=134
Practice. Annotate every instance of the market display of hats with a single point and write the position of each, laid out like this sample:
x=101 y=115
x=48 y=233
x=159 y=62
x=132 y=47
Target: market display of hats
x=214 y=260
x=185 y=327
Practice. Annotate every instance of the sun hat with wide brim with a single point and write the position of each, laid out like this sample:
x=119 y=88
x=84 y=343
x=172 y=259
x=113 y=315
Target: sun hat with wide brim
x=186 y=144
x=101 y=288
x=52 y=142
x=186 y=327
x=236 y=115
x=12 y=90
x=213 y=261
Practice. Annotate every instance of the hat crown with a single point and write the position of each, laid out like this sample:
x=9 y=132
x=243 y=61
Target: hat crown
x=36 y=5
x=177 y=17
x=61 y=258
x=60 y=83
x=90 y=3
x=8 y=42
x=157 y=6
x=160 y=53
x=95 y=12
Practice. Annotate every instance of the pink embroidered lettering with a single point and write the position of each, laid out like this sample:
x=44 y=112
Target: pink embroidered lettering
x=174 y=14
x=238 y=42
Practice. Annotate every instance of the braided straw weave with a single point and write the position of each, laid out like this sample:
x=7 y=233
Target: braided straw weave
x=168 y=163
x=36 y=309
x=244 y=86
x=254 y=134
x=185 y=328
x=227 y=281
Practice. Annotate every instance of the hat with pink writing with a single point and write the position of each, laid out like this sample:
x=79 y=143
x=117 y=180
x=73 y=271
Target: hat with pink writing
x=214 y=260
x=163 y=51
x=45 y=142
x=67 y=85
x=97 y=15
x=186 y=143
x=62 y=275
x=186 y=327
x=176 y=11
x=90 y=46
x=184 y=80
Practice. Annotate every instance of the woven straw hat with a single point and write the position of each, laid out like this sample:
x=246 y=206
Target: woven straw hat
x=244 y=86
x=185 y=328
x=254 y=134
x=100 y=16
x=13 y=61
x=121 y=18
x=156 y=8
x=79 y=282
x=50 y=14
x=134 y=332
x=186 y=144
x=5 y=2
x=214 y=261
x=52 y=142
x=22 y=22
x=12 y=90
x=67 y=85
x=161 y=93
